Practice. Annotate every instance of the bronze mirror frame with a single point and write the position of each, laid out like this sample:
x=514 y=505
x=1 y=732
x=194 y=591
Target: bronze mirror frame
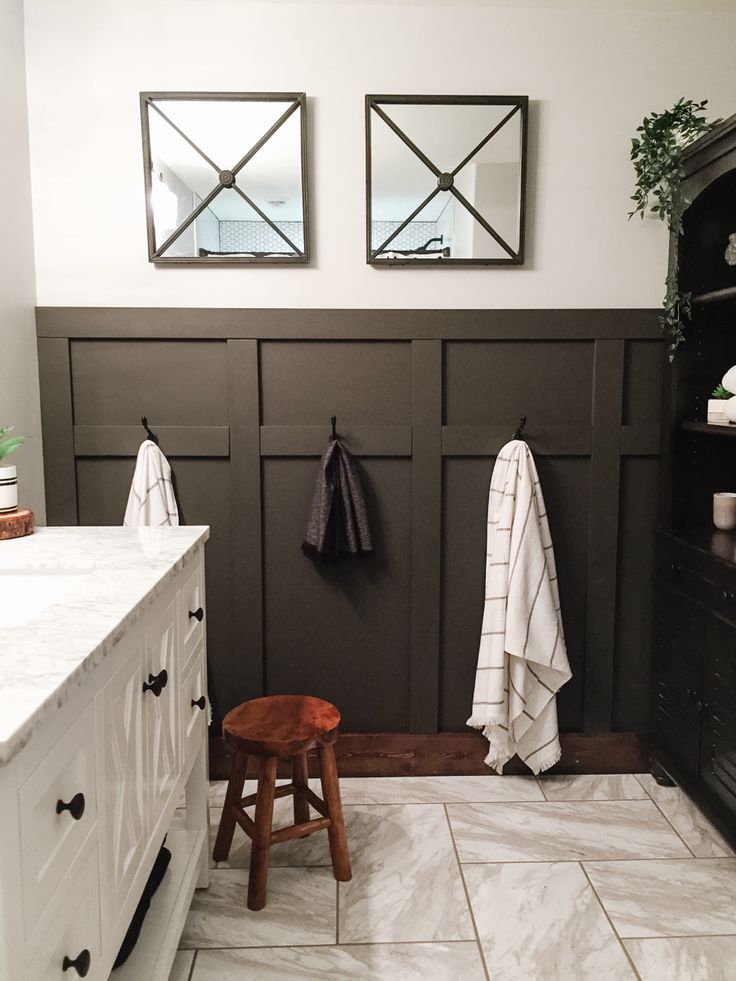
x=516 y=103
x=226 y=178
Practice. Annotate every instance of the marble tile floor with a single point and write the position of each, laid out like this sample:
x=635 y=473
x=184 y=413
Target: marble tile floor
x=484 y=879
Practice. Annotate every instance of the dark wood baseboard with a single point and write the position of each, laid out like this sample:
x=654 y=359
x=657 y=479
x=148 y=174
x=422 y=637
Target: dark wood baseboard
x=394 y=754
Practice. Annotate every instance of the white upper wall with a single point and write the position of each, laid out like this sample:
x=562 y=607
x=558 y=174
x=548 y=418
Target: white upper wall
x=19 y=402
x=592 y=74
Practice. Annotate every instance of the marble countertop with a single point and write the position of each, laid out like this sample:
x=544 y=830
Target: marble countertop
x=93 y=583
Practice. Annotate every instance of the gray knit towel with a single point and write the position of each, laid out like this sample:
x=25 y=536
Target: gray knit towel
x=338 y=522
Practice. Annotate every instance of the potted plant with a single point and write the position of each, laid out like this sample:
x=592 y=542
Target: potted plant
x=657 y=157
x=8 y=474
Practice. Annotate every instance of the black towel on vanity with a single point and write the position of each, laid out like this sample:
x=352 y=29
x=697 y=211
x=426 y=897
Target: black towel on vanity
x=134 y=929
x=338 y=523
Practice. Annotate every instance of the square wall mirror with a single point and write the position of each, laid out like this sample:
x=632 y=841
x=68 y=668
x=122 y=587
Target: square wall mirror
x=445 y=179
x=226 y=177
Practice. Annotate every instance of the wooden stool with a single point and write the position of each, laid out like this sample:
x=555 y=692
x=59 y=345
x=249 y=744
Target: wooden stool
x=274 y=728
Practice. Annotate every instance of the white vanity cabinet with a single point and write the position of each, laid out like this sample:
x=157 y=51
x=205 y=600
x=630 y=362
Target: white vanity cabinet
x=86 y=803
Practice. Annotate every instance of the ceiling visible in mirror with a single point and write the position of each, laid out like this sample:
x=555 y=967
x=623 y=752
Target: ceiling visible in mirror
x=446 y=179
x=225 y=177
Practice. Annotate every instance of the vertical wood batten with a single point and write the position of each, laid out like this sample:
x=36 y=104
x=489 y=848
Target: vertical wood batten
x=426 y=483
x=246 y=672
x=57 y=424
x=603 y=517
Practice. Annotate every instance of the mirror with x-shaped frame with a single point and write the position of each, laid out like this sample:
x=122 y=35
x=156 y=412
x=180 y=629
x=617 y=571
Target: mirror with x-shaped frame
x=226 y=177
x=445 y=179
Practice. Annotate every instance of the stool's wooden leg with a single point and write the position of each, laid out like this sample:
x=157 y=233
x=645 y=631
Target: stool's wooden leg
x=262 y=834
x=336 y=830
x=300 y=777
x=233 y=795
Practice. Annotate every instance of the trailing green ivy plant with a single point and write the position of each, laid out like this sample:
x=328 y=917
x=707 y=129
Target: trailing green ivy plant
x=657 y=157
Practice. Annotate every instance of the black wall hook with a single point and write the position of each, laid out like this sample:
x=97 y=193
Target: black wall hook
x=520 y=430
x=333 y=420
x=151 y=435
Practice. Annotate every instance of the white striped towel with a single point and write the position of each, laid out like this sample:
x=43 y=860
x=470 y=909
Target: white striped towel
x=151 y=500
x=522 y=661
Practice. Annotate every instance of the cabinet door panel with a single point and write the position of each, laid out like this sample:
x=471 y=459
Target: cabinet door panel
x=162 y=738
x=71 y=927
x=679 y=632
x=194 y=711
x=121 y=777
x=718 y=750
x=50 y=840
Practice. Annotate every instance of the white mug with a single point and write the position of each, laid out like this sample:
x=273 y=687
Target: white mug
x=724 y=510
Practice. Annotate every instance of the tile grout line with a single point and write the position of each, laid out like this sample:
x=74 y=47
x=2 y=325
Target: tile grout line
x=191 y=967
x=351 y=943
x=541 y=789
x=467 y=896
x=621 y=944
x=649 y=796
x=638 y=858
x=337 y=912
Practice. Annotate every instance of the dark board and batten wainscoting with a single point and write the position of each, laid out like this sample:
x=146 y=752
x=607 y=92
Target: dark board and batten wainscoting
x=241 y=401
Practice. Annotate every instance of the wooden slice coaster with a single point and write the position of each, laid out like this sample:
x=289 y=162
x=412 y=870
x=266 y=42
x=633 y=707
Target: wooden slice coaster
x=16 y=524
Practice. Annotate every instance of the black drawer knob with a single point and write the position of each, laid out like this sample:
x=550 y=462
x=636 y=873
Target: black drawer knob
x=198 y=614
x=75 y=806
x=199 y=702
x=728 y=597
x=156 y=682
x=676 y=569
x=80 y=963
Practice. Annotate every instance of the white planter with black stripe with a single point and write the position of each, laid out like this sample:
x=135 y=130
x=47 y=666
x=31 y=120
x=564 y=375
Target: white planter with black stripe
x=8 y=489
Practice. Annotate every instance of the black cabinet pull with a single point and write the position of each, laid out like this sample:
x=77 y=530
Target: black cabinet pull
x=677 y=569
x=156 y=682
x=199 y=702
x=75 y=806
x=727 y=596
x=198 y=614
x=80 y=963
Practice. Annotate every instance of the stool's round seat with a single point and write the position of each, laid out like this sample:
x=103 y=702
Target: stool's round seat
x=281 y=725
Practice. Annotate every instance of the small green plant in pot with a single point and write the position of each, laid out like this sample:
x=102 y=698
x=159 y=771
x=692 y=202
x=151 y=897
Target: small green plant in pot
x=657 y=153
x=8 y=474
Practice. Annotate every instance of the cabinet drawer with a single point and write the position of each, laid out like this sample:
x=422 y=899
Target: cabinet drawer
x=192 y=613
x=194 y=712
x=720 y=597
x=678 y=644
x=71 y=927
x=52 y=834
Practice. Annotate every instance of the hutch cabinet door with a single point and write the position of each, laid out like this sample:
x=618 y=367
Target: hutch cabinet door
x=161 y=711
x=718 y=749
x=121 y=776
x=679 y=632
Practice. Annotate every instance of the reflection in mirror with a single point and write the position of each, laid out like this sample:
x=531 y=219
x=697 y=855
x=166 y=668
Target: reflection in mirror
x=446 y=179
x=225 y=177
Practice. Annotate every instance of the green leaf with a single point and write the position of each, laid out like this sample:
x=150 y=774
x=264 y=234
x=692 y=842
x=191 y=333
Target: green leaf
x=9 y=445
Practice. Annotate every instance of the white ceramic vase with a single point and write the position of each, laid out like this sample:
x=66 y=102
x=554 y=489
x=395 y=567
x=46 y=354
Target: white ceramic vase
x=8 y=489
x=717 y=412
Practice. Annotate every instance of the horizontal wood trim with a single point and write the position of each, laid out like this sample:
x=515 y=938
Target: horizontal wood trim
x=312 y=440
x=199 y=441
x=641 y=440
x=542 y=440
x=391 y=325
x=393 y=754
